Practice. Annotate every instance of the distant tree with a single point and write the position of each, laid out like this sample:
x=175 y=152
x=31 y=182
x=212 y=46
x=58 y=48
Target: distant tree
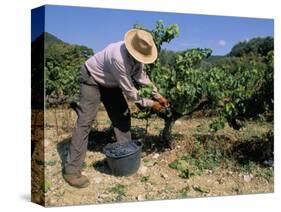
x=256 y=46
x=167 y=57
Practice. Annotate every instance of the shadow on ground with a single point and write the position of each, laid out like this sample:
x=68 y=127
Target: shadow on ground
x=98 y=139
x=255 y=149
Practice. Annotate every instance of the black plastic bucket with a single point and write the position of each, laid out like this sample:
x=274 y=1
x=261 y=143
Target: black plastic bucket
x=123 y=159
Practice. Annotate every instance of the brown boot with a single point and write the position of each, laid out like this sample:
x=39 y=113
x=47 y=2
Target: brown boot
x=76 y=180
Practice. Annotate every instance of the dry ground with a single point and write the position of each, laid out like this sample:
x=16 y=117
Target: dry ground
x=237 y=169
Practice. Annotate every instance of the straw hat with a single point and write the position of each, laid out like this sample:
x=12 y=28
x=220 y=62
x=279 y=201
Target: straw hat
x=141 y=46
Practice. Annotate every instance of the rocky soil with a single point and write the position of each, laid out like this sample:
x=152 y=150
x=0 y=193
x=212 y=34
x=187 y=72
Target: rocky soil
x=155 y=178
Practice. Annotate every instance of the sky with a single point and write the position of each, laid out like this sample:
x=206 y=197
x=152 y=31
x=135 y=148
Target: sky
x=96 y=27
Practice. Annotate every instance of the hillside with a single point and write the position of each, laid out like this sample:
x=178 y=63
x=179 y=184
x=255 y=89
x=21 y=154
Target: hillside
x=61 y=65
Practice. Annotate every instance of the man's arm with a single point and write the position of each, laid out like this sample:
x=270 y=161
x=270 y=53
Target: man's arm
x=126 y=84
x=142 y=78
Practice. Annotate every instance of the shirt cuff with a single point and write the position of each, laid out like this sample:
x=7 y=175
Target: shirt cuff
x=147 y=102
x=156 y=95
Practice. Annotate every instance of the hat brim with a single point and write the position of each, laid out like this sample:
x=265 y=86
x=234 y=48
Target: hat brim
x=146 y=59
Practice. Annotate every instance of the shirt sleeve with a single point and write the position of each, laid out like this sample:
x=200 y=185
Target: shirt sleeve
x=125 y=82
x=142 y=78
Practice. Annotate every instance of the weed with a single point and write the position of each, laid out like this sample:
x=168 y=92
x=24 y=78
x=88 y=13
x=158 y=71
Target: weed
x=184 y=192
x=51 y=163
x=200 y=189
x=248 y=166
x=108 y=122
x=118 y=189
x=145 y=160
x=168 y=189
x=144 y=179
x=84 y=165
x=47 y=163
x=199 y=160
x=39 y=162
x=45 y=186
x=182 y=166
x=266 y=173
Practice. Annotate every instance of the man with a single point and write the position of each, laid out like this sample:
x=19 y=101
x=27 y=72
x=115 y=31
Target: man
x=105 y=77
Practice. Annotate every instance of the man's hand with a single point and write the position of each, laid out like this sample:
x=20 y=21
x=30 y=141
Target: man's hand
x=157 y=106
x=163 y=101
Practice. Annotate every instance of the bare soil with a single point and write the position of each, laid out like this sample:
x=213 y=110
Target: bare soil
x=155 y=179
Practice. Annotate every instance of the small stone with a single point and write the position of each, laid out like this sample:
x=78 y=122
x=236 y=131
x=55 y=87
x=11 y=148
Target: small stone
x=230 y=173
x=150 y=163
x=140 y=198
x=209 y=171
x=155 y=156
x=247 y=178
x=103 y=196
x=164 y=175
x=142 y=170
x=178 y=122
x=46 y=142
x=97 y=180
